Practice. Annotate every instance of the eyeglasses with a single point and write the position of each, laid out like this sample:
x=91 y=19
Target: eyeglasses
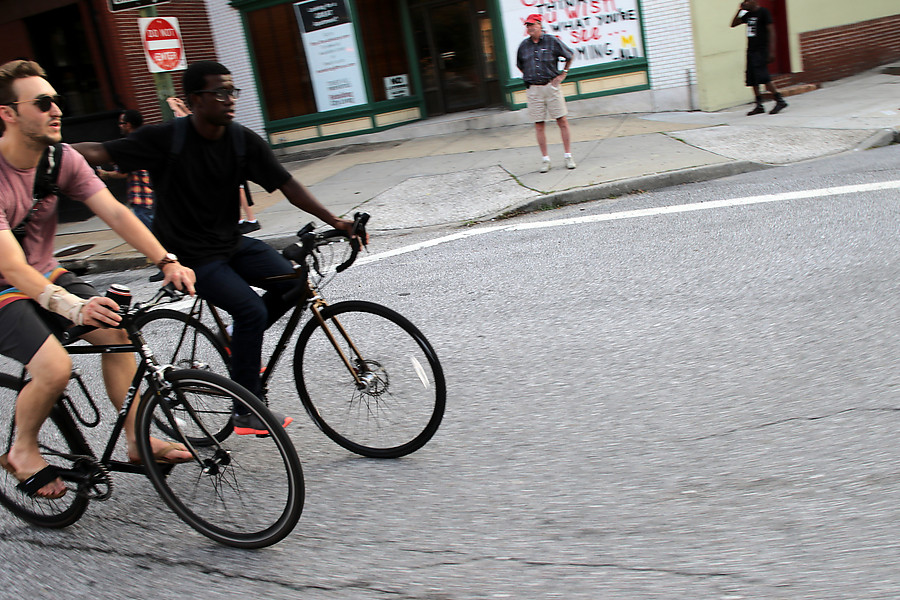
x=222 y=94
x=43 y=102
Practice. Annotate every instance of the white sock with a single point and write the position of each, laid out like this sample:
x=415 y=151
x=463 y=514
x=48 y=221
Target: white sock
x=567 y=155
x=547 y=158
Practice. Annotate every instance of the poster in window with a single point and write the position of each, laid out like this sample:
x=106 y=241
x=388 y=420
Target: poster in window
x=332 y=56
x=598 y=31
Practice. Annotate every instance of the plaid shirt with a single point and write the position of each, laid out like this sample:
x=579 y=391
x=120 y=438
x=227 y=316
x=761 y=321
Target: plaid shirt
x=539 y=61
x=140 y=192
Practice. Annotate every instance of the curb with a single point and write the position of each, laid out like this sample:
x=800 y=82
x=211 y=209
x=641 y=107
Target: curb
x=637 y=184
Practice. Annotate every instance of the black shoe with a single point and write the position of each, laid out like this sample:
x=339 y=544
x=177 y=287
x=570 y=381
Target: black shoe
x=779 y=106
x=250 y=424
x=248 y=226
x=756 y=111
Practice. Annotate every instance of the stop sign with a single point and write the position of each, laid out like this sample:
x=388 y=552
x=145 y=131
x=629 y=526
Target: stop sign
x=162 y=43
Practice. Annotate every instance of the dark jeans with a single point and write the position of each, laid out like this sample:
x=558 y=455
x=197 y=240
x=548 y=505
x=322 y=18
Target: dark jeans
x=226 y=283
x=143 y=213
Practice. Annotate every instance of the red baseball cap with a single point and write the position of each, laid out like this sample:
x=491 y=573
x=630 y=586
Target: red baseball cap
x=535 y=18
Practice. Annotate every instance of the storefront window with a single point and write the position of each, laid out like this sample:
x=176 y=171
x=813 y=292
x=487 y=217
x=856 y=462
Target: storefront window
x=382 y=34
x=281 y=62
x=61 y=47
x=284 y=65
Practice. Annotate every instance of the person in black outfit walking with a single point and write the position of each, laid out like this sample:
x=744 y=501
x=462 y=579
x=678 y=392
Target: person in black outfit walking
x=760 y=52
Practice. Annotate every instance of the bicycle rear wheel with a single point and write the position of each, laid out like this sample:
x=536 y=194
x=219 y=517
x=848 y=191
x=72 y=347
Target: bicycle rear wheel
x=58 y=443
x=184 y=342
x=392 y=402
x=246 y=491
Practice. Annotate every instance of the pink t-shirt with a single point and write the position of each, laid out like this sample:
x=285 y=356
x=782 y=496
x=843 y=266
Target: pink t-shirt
x=77 y=180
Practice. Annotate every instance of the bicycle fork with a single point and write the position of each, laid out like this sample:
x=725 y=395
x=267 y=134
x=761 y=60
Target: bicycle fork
x=360 y=374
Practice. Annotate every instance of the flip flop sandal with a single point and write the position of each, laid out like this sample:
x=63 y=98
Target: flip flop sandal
x=30 y=486
x=160 y=456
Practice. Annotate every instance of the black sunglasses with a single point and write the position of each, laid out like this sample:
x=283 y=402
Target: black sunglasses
x=222 y=94
x=43 y=102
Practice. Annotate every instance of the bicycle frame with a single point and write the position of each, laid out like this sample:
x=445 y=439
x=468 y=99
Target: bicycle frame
x=314 y=302
x=148 y=369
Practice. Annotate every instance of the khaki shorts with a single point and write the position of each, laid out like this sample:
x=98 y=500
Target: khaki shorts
x=545 y=103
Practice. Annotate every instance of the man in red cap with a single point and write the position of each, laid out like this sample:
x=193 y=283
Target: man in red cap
x=538 y=59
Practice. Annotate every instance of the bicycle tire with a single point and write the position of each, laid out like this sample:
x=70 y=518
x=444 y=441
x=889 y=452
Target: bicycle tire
x=58 y=444
x=187 y=343
x=402 y=405
x=226 y=491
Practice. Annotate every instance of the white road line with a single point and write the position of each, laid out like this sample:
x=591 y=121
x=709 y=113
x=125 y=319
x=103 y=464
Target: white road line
x=632 y=214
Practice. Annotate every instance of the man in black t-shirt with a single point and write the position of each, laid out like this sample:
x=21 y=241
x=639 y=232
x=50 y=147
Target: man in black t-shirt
x=760 y=52
x=198 y=208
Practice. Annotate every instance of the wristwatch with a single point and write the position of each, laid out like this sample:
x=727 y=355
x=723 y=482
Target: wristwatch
x=167 y=259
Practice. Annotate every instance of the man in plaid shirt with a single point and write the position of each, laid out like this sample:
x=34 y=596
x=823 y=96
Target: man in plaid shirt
x=140 y=190
x=538 y=58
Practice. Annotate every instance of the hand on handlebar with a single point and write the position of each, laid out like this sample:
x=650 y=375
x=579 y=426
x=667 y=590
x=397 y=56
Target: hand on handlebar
x=352 y=227
x=182 y=277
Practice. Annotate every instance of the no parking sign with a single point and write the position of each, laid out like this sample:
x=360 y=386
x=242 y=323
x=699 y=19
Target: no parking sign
x=163 y=46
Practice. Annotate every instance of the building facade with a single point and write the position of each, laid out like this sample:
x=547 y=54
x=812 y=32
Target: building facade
x=333 y=68
x=313 y=70
x=816 y=41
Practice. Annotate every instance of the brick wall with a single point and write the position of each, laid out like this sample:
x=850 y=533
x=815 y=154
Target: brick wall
x=121 y=35
x=837 y=52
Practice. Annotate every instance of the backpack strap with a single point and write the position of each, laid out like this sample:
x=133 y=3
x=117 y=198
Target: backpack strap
x=46 y=177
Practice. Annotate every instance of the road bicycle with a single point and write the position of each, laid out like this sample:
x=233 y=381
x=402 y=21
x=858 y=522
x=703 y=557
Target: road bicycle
x=367 y=377
x=242 y=491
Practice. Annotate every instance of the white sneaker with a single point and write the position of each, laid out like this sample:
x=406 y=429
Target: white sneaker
x=570 y=162
x=545 y=165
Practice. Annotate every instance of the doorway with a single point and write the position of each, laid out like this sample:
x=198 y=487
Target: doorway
x=454 y=44
x=782 y=51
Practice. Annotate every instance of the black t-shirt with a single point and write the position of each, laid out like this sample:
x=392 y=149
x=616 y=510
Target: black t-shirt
x=197 y=200
x=758 y=22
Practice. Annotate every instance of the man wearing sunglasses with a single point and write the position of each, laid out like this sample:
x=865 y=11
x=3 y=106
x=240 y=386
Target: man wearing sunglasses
x=198 y=207
x=37 y=296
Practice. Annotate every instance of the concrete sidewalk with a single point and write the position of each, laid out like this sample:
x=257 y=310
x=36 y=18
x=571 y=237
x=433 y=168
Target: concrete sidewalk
x=475 y=166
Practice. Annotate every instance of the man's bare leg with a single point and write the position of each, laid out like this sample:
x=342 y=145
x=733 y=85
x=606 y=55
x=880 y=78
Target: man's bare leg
x=118 y=372
x=563 y=123
x=540 y=129
x=50 y=368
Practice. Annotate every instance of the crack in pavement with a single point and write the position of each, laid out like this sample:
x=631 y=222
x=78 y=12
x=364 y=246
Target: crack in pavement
x=789 y=420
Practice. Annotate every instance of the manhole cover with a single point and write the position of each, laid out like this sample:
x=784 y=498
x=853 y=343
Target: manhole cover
x=72 y=250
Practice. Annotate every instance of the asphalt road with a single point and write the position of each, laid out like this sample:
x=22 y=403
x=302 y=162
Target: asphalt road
x=692 y=402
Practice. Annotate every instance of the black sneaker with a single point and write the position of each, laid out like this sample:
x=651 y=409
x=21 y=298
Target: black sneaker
x=779 y=106
x=250 y=424
x=756 y=111
x=248 y=226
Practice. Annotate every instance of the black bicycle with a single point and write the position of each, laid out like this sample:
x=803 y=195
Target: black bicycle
x=242 y=491
x=367 y=377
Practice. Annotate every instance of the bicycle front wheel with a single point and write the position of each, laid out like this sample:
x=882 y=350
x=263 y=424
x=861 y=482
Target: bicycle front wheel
x=59 y=444
x=184 y=342
x=369 y=379
x=246 y=491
